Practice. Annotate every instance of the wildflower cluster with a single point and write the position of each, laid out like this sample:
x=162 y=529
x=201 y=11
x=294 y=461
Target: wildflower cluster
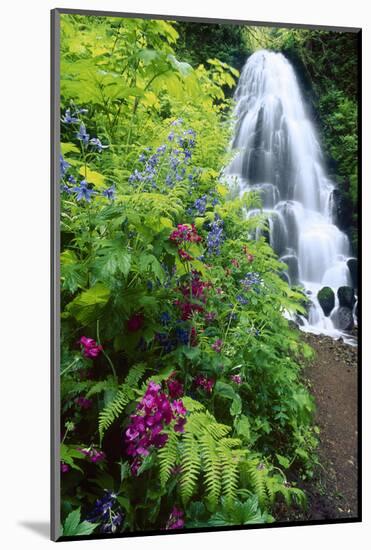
x=90 y=348
x=204 y=383
x=154 y=412
x=194 y=296
x=106 y=512
x=168 y=164
x=185 y=233
x=250 y=280
x=215 y=236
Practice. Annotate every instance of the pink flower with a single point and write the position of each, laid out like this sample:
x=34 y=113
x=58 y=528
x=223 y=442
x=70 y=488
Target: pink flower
x=217 y=345
x=64 y=468
x=175 y=520
x=204 y=383
x=83 y=402
x=184 y=255
x=236 y=378
x=175 y=387
x=91 y=349
x=135 y=322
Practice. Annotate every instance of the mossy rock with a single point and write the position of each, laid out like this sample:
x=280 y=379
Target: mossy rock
x=326 y=298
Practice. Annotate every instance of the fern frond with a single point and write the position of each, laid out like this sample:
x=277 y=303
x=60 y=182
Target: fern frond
x=168 y=457
x=135 y=374
x=230 y=471
x=191 y=466
x=102 y=385
x=212 y=469
x=112 y=411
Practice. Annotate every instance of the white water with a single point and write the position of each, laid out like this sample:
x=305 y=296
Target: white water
x=278 y=154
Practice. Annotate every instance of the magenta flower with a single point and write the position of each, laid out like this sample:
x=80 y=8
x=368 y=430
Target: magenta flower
x=154 y=412
x=175 y=520
x=83 y=403
x=135 y=322
x=184 y=255
x=204 y=383
x=64 y=468
x=236 y=378
x=217 y=345
x=91 y=349
x=94 y=455
x=174 y=387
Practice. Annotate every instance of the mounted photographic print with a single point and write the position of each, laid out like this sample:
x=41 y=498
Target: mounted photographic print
x=205 y=294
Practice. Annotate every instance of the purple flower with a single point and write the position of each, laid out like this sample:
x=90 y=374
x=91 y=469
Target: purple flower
x=154 y=412
x=83 y=402
x=236 y=378
x=68 y=118
x=91 y=348
x=94 y=455
x=109 y=193
x=217 y=345
x=83 y=191
x=64 y=165
x=97 y=144
x=64 y=468
x=82 y=135
x=175 y=520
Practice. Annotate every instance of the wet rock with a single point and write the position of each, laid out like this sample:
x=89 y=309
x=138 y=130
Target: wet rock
x=326 y=298
x=342 y=318
x=346 y=296
x=352 y=264
x=293 y=268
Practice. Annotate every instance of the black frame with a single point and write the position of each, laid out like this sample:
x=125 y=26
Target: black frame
x=55 y=272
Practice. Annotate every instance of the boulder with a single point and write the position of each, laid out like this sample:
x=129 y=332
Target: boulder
x=342 y=318
x=346 y=296
x=292 y=266
x=352 y=264
x=326 y=298
x=341 y=209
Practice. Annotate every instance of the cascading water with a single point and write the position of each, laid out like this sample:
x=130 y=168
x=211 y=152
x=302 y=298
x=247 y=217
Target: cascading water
x=278 y=154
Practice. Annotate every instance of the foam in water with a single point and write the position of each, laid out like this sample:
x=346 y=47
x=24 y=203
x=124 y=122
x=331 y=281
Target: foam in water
x=278 y=155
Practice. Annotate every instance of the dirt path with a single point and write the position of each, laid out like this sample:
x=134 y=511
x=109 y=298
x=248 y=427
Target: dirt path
x=332 y=378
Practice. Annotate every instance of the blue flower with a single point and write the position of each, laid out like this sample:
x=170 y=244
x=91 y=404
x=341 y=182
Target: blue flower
x=242 y=300
x=177 y=122
x=250 y=280
x=215 y=236
x=109 y=193
x=97 y=144
x=64 y=165
x=165 y=318
x=66 y=189
x=82 y=135
x=68 y=118
x=83 y=191
x=200 y=204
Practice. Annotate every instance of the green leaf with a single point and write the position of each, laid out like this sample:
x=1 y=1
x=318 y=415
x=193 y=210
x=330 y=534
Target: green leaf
x=236 y=406
x=283 y=461
x=71 y=522
x=88 y=305
x=93 y=177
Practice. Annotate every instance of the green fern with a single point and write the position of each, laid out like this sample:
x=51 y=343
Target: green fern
x=191 y=466
x=113 y=410
x=168 y=457
x=135 y=374
x=212 y=463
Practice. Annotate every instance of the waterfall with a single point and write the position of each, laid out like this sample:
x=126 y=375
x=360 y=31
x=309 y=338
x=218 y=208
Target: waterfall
x=278 y=154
